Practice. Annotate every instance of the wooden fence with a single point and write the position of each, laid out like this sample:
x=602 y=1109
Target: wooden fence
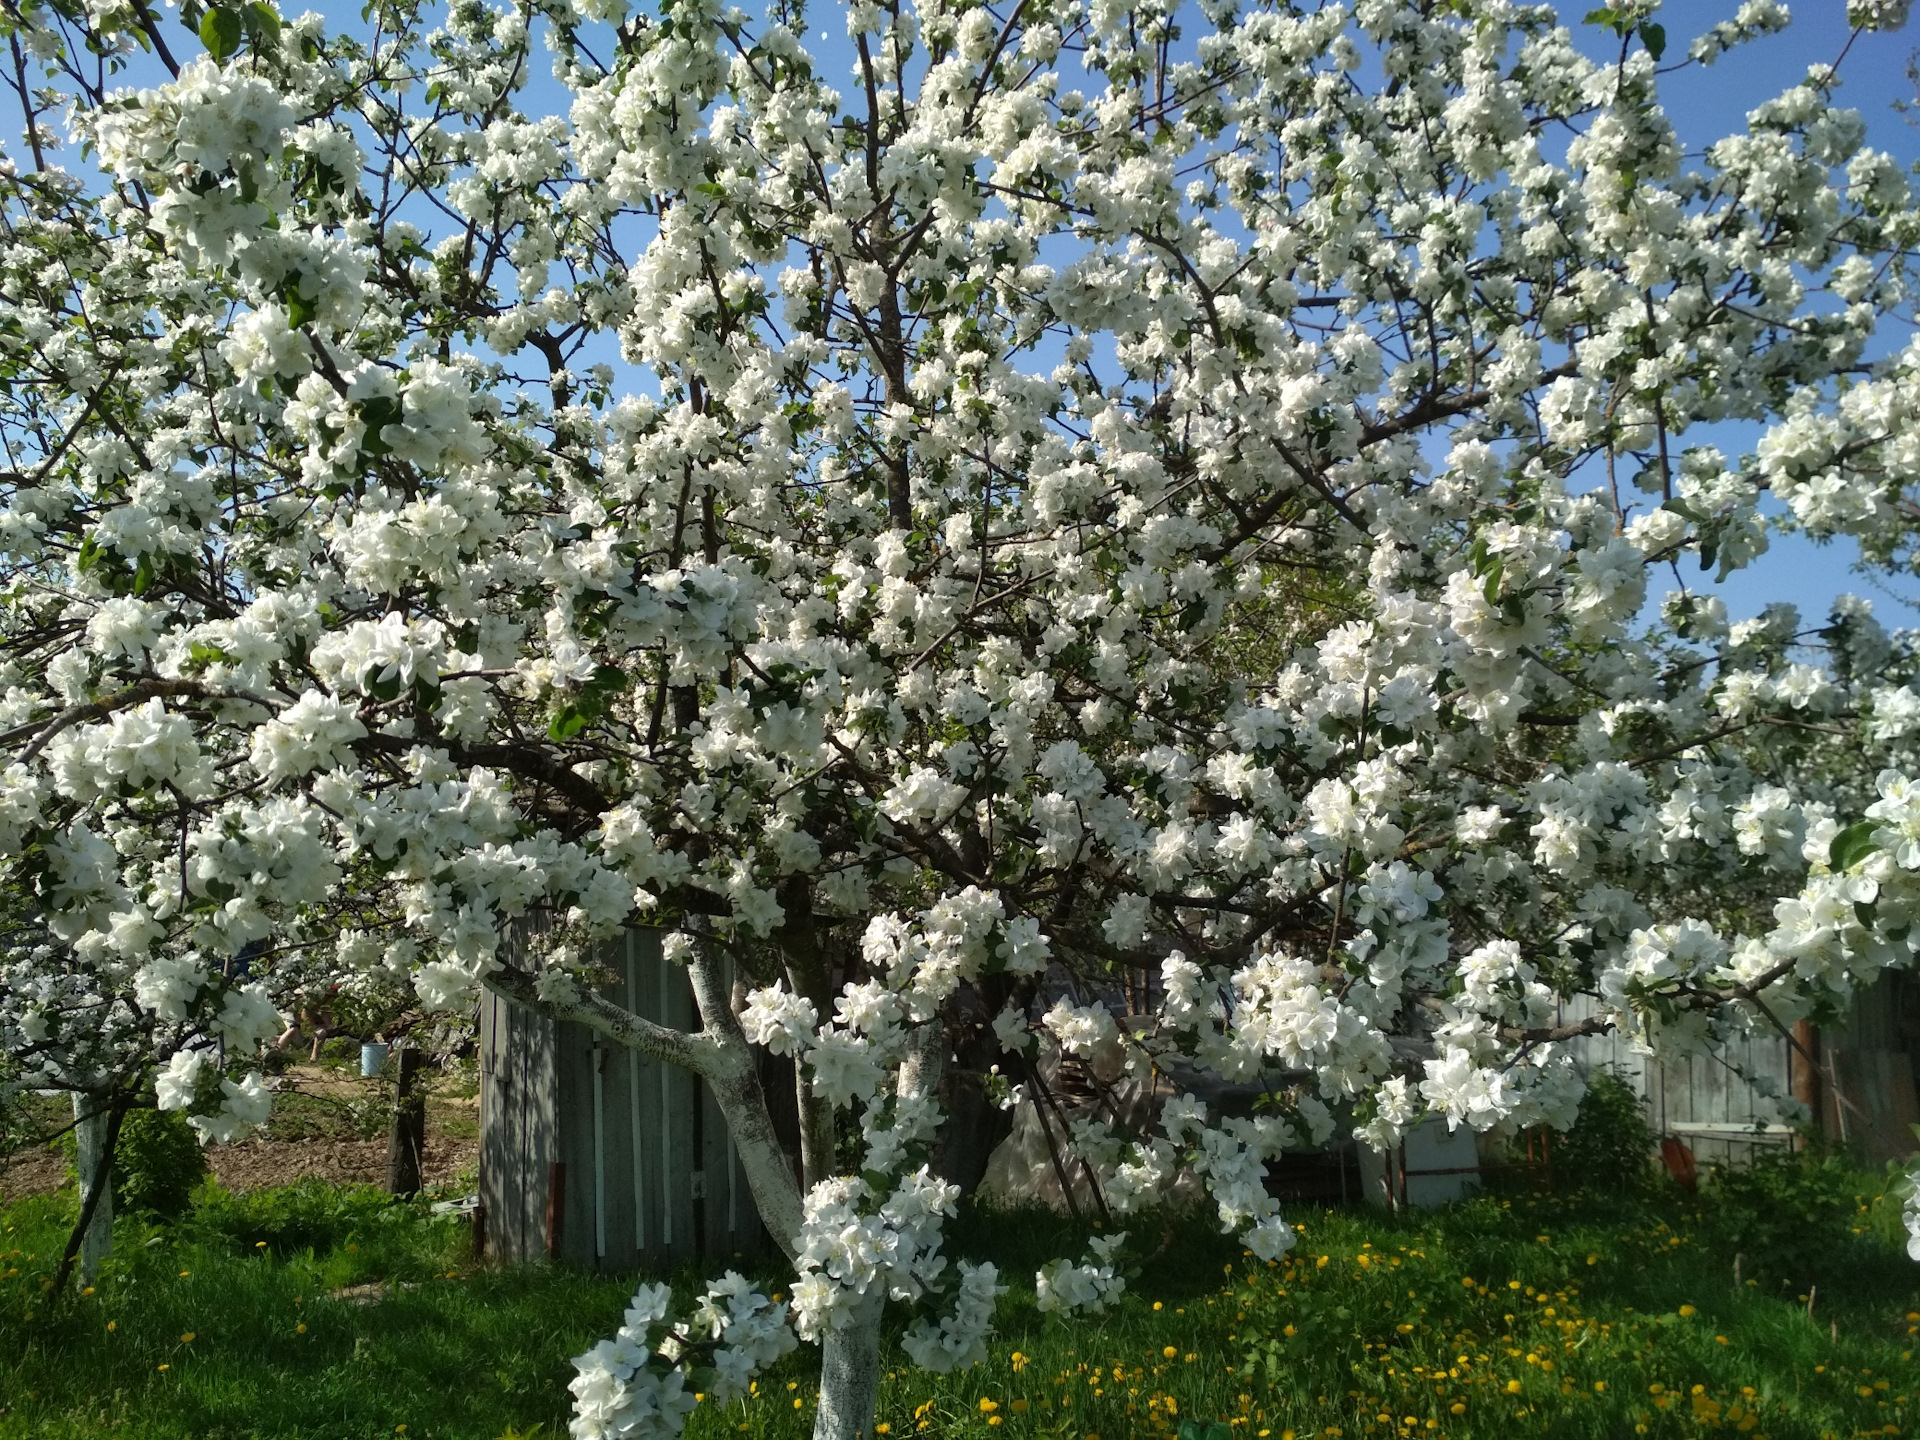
x=1857 y=1076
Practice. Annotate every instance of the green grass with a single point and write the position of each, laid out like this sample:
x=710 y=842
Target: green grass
x=1423 y=1324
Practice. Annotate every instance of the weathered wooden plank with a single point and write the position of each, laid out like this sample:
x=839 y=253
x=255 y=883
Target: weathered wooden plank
x=618 y=1191
x=513 y=1127
x=573 y=1059
x=645 y=1102
x=656 y=1099
x=494 y=1163
x=542 y=1124
x=680 y=1173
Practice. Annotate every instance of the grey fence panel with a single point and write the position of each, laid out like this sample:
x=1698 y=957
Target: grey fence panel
x=617 y=1193
x=680 y=1093
x=1708 y=1101
x=573 y=1143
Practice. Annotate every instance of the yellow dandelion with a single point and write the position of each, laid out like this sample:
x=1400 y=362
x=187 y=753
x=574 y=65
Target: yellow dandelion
x=987 y=1407
x=1513 y=1387
x=1171 y=1351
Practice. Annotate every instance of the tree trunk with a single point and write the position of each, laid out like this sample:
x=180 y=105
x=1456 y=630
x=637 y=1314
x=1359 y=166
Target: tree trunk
x=850 y=1374
x=816 y=1131
x=407 y=1137
x=850 y=1357
x=93 y=1122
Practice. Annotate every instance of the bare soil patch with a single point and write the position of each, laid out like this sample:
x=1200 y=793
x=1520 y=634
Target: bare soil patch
x=327 y=1123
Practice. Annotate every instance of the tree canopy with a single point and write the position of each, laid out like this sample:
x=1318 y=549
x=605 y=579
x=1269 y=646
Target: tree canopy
x=1097 y=489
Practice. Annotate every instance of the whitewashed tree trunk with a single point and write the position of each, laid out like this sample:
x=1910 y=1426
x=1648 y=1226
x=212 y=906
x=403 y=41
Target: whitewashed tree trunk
x=850 y=1356
x=91 y=1122
x=850 y=1375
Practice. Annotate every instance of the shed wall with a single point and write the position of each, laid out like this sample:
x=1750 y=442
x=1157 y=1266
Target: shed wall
x=647 y=1172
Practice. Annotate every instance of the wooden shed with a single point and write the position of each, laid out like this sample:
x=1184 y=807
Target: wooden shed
x=597 y=1156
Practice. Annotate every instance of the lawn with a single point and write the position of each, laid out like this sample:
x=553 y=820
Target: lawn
x=321 y=1312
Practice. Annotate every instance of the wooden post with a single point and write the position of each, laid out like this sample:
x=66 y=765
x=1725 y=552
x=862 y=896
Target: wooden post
x=1803 y=1070
x=407 y=1137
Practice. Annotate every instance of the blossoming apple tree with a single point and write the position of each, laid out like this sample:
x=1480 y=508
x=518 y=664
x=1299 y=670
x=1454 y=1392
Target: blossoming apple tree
x=1007 y=497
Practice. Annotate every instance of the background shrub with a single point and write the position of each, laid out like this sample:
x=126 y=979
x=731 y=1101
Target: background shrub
x=1786 y=1213
x=157 y=1164
x=1610 y=1147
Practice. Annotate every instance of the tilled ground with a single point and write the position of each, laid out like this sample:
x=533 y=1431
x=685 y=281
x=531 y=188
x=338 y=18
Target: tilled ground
x=321 y=1128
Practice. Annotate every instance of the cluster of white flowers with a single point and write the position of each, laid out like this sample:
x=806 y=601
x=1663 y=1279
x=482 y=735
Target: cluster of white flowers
x=639 y=1385
x=752 y=1332
x=959 y=1341
x=852 y=1248
x=617 y=1394
x=1064 y=1286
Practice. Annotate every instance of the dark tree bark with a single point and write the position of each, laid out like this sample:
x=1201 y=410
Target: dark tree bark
x=407 y=1138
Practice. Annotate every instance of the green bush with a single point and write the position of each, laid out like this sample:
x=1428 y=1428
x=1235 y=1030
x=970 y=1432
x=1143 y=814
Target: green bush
x=157 y=1164
x=1610 y=1146
x=1787 y=1213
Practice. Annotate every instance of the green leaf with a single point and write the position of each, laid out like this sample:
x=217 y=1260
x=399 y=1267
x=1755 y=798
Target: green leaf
x=378 y=413
x=300 y=310
x=1654 y=37
x=1683 y=508
x=262 y=23
x=1851 y=846
x=220 y=32
x=1204 y=1430
x=567 y=722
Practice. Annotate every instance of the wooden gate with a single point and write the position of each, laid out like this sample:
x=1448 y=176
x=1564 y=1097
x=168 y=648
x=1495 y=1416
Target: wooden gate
x=595 y=1155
